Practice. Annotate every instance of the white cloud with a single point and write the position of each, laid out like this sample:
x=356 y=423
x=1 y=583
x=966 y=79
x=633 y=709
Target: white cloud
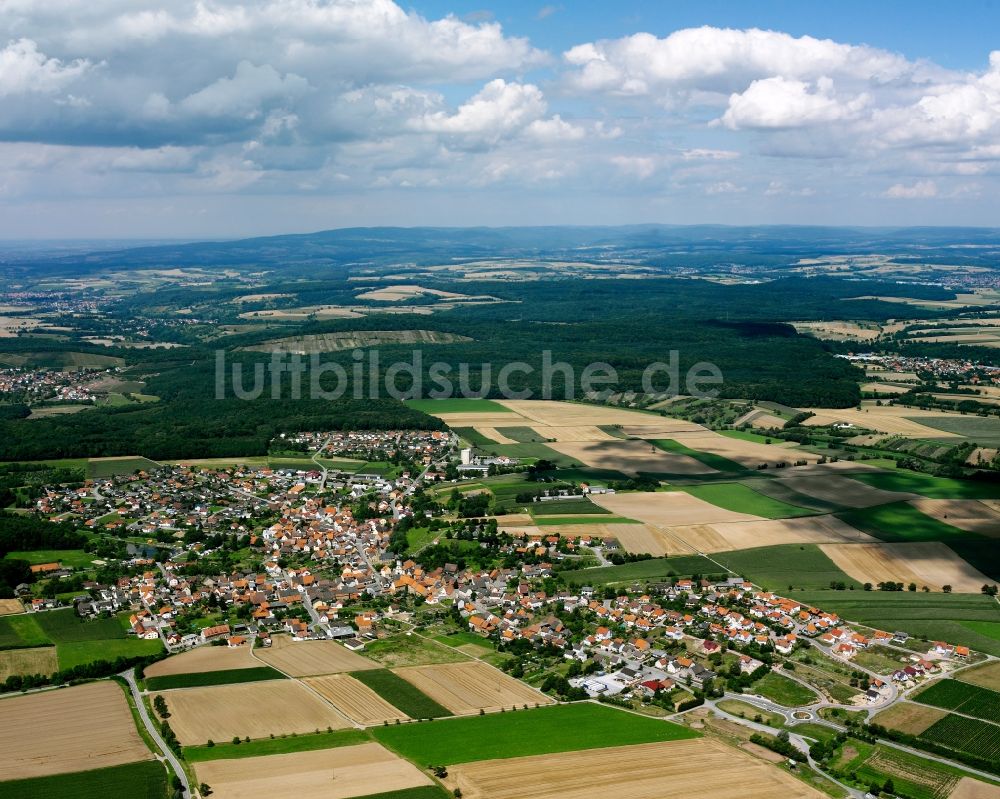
x=244 y=94
x=23 y=69
x=554 y=131
x=921 y=190
x=781 y=103
x=498 y=110
x=724 y=187
x=704 y=154
x=640 y=167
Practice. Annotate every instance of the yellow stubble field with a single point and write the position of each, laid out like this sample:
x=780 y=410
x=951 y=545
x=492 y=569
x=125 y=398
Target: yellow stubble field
x=354 y=699
x=308 y=658
x=70 y=729
x=471 y=686
x=204 y=658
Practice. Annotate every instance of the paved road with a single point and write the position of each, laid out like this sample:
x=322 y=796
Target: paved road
x=154 y=733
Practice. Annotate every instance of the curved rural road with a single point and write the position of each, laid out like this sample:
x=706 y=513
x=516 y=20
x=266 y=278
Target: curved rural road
x=129 y=677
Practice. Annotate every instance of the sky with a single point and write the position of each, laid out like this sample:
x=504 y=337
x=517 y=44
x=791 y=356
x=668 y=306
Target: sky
x=232 y=118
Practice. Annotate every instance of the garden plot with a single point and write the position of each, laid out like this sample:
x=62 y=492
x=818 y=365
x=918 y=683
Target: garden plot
x=470 y=687
x=308 y=658
x=338 y=773
x=253 y=710
x=70 y=729
x=928 y=563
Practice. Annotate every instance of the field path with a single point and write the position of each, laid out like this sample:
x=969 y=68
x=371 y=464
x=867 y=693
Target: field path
x=154 y=733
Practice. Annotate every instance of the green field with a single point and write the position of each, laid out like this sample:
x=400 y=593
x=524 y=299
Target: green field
x=929 y=486
x=473 y=436
x=82 y=652
x=978 y=738
x=20 y=631
x=80 y=641
x=745 y=435
x=965 y=698
x=109 y=467
x=64 y=626
x=145 y=780
x=911 y=775
x=276 y=746
x=551 y=521
x=423 y=792
x=741 y=499
x=457 y=405
x=653 y=570
x=983 y=431
x=938 y=617
x=71 y=558
x=800 y=566
x=900 y=522
x=418 y=537
x=401 y=694
x=780 y=689
x=566 y=507
x=558 y=728
x=523 y=435
x=710 y=459
x=586 y=474
x=988 y=629
x=225 y=677
x=779 y=490
x=744 y=710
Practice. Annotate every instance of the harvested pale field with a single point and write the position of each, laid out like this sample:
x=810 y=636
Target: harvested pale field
x=668 y=428
x=10 y=606
x=630 y=457
x=909 y=718
x=703 y=766
x=480 y=419
x=305 y=312
x=470 y=686
x=762 y=752
x=747 y=453
x=258 y=298
x=839 y=331
x=354 y=699
x=523 y=529
x=987 y=675
x=981 y=454
x=965 y=514
x=764 y=421
x=569 y=414
x=668 y=509
x=884 y=419
x=884 y=388
x=356 y=339
x=308 y=658
x=572 y=433
x=204 y=658
x=969 y=788
x=253 y=709
x=637 y=538
x=927 y=563
x=338 y=773
x=35 y=660
x=69 y=729
x=493 y=434
x=842 y=490
x=803 y=530
x=404 y=292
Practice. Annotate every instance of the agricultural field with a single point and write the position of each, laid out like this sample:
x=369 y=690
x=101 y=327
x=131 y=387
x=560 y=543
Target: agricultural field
x=938 y=617
x=309 y=658
x=894 y=419
x=930 y=564
x=710 y=459
x=80 y=641
x=547 y=730
x=797 y=566
x=977 y=738
x=912 y=775
x=72 y=558
x=109 y=467
x=987 y=675
x=746 y=449
x=770 y=532
x=970 y=788
x=909 y=718
x=631 y=457
x=10 y=606
x=457 y=405
x=961 y=697
x=566 y=507
x=470 y=687
x=690 y=768
x=401 y=694
x=146 y=779
x=205 y=678
x=409 y=650
x=67 y=730
x=971 y=515
x=841 y=490
x=203 y=659
x=339 y=773
x=668 y=509
x=36 y=660
x=254 y=710
x=354 y=699
x=900 y=521
x=279 y=745
x=654 y=570
x=926 y=485
x=741 y=499
x=21 y=631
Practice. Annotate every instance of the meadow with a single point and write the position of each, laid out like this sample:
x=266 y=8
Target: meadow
x=201 y=679
x=80 y=641
x=928 y=485
x=73 y=558
x=21 y=631
x=145 y=780
x=900 y=521
x=559 y=728
x=777 y=568
x=782 y=690
x=741 y=499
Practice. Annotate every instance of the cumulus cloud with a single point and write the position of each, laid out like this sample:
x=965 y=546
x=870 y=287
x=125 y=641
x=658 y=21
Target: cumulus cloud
x=921 y=190
x=782 y=103
x=23 y=69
